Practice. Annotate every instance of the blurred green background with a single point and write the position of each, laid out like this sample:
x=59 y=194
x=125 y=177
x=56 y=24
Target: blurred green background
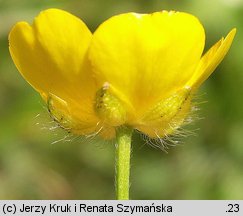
x=208 y=165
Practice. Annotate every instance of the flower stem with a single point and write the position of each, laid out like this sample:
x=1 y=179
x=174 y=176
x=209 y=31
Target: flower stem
x=123 y=153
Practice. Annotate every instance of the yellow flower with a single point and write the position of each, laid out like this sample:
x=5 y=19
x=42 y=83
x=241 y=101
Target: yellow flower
x=139 y=70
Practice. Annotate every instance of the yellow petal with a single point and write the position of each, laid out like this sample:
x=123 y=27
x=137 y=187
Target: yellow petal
x=51 y=54
x=211 y=60
x=146 y=57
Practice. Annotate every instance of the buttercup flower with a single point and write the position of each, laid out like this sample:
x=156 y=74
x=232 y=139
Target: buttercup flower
x=139 y=70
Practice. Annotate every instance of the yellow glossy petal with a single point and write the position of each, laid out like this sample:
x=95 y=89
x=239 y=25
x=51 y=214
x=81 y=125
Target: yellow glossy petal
x=51 y=54
x=146 y=57
x=211 y=60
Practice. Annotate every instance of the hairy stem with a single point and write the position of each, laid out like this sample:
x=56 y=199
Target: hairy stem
x=123 y=153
